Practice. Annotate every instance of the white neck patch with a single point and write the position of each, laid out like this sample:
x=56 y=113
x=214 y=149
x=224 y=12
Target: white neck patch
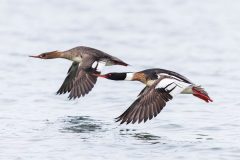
x=129 y=76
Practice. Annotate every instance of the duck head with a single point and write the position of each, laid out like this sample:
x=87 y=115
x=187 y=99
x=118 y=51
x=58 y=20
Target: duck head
x=49 y=55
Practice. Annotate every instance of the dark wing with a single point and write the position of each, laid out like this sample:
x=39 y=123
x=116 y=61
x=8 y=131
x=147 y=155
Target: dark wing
x=148 y=105
x=84 y=80
x=69 y=80
x=157 y=71
x=102 y=55
x=83 y=84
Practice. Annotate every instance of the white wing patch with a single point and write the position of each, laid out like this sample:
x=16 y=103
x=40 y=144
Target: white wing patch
x=173 y=85
x=165 y=74
x=99 y=65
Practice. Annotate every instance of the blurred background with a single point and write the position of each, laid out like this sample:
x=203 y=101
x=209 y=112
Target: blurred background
x=199 y=39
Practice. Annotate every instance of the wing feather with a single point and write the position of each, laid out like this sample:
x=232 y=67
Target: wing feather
x=69 y=80
x=148 y=105
x=84 y=80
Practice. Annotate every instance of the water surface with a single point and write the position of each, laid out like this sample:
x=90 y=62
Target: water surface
x=199 y=39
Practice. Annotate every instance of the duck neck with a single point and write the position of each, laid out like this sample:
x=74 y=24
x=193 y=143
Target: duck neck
x=129 y=76
x=70 y=56
x=121 y=76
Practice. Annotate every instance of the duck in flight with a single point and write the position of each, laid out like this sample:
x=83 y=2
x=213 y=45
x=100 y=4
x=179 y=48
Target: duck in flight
x=161 y=86
x=80 y=78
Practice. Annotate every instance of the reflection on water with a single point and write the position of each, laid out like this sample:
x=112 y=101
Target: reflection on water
x=146 y=138
x=203 y=137
x=82 y=124
x=85 y=125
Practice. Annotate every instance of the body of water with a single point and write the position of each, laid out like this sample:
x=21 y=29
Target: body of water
x=199 y=39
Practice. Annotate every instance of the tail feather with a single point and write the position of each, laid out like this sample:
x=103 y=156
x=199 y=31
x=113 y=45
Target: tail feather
x=120 y=63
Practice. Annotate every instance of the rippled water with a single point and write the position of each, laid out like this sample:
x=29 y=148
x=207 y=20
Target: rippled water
x=199 y=39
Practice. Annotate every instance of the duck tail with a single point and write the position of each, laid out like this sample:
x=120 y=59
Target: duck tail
x=121 y=63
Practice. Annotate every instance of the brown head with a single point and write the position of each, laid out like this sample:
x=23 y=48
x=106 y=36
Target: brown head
x=49 y=55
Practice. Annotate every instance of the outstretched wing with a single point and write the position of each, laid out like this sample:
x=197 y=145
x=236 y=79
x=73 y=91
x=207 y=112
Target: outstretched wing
x=69 y=80
x=152 y=100
x=83 y=84
x=148 y=105
x=84 y=80
x=102 y=55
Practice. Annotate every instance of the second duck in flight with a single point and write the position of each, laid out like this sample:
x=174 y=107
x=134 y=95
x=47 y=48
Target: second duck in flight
x=161 y=86
x=80 y=79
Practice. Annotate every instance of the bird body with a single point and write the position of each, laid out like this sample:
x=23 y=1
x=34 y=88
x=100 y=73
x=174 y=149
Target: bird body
x=161 y=86
x=81 y=79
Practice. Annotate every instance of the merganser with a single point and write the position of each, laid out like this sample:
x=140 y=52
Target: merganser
x=80 y=79
x=161 y=86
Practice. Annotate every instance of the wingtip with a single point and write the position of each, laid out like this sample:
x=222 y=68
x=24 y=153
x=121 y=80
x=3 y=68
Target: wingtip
x=71 y=98
x=119 y=120
x=127 y=122
x=121 y=63
x=124 y=64
x=59 y=93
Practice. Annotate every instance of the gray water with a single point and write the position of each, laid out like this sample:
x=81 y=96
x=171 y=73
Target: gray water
x=199 y=39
